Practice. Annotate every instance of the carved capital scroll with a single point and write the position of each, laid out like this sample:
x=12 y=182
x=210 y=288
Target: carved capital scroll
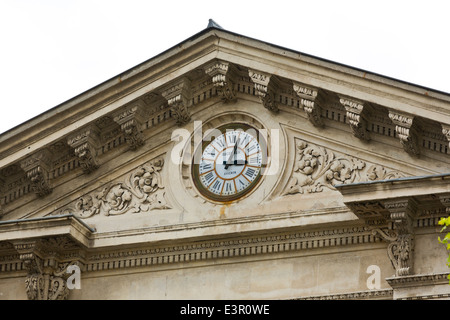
x=309 y=101
x=222 y=74
x=356 y=114
x=178 y=96
x=266 y=87
x=85 y=143
x=406 y=131
x=131 y=119
x=36 y=168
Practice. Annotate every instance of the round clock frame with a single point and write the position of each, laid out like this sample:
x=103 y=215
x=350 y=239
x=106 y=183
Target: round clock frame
x=228 y=171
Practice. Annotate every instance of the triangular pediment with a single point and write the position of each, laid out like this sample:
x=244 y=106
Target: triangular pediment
x=109 y=153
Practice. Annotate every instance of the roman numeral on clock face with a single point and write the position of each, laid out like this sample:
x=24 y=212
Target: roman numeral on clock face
x=230 y=165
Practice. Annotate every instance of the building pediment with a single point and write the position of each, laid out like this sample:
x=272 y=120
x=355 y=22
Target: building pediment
x=109 y=151
x=227 y=149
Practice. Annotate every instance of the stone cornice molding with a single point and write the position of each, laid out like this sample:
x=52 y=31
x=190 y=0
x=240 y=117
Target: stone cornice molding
x=382 y=294
x=414 y=280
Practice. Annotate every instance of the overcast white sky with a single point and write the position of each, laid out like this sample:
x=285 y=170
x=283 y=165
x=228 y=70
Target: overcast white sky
x=53 y=50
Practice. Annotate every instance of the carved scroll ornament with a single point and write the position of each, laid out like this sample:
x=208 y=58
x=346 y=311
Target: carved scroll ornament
x=141 y=192
x=317 y=168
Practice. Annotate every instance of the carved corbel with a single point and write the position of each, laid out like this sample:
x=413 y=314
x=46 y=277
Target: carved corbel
x=401 y=247
x=445 y=201
x=446 y=132
x=357 y=113
x=85 y=143
x=309 y=103
x=46 y=275
x=266 y=87
x=36 y=168
x=222 y=74
x=131 y=118
x=406 y=131
x=178 y=97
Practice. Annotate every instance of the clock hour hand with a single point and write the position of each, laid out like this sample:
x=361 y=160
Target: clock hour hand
x=233 y=153
x=235 y=163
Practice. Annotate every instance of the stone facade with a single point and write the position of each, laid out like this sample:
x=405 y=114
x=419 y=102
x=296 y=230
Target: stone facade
x=355 y=181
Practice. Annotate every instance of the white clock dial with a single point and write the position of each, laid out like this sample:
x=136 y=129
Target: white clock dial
x=230 y=165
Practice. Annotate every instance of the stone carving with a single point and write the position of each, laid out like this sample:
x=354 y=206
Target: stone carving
x=401 y=214
x=85 y=143
x=47 y=277
x=407 y=132
x=178 y=98
x=222 y=74
x=266 y=87
x=36 y=168
x=446 y=132
x=310 y=105
x=131 y=120
x=316 y=168
x=141 y=192
x=356 y=115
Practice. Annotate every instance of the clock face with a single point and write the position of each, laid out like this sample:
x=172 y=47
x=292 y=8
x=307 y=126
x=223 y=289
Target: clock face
x=230 y=164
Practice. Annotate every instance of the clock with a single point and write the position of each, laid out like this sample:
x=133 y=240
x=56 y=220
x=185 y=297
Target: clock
x=230 y=164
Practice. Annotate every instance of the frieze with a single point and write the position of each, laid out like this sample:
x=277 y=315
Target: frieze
x=316 y=168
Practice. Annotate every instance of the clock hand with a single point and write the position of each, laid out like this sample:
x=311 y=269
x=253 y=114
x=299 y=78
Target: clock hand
x=232 y=154
x=237 y=162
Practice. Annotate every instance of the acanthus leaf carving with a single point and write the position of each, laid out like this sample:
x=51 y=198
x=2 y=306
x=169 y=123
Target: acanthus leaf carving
x=316 y=168
x=46 y=274
x=142 y=191
x=400 y=250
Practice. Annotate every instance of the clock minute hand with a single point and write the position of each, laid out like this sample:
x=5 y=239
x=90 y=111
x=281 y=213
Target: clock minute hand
x=232 y=154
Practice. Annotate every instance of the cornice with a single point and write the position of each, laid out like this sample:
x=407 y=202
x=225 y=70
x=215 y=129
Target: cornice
x=418 y=280
x=382 y=294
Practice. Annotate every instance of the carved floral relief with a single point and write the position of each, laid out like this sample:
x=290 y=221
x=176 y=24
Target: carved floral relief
x=142 y=191
x=316 y=168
